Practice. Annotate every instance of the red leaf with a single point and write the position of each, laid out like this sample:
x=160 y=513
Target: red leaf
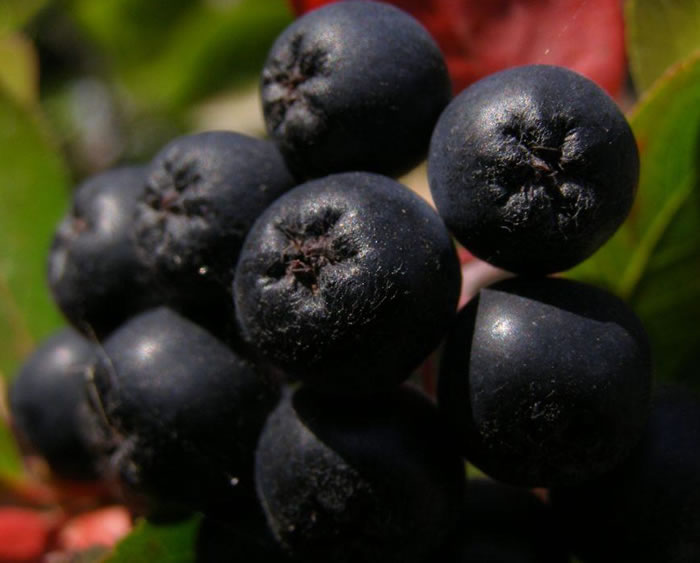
x=479 y=38
x=24 y=534
x=104 y=527
x=464 y=255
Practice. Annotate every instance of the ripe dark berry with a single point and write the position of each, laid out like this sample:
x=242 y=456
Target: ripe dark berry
x=241 y=534
x=203 y=192
x=347 y=282
x=648 y=509
x=94 y=271
x=533 y=168
x=373 y=479
x=502 y=524
x=547 y=381
x=49 y=405
x=354 y=86
x=186 y=411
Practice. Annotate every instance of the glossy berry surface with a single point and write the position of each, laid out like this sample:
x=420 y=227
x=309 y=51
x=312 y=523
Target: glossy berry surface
x=94 y=270
x=341 y=273
x=370 y=479
x=546 y=380
x=354 y=86
x=49 y=405
x=533 y=168
x=186 y=411
x=648 y=509
x=203 y=192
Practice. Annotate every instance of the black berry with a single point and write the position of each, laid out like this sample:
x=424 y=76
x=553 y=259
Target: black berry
x=502 y=524
x=186 y=411
x=203 y=192
x=348 y=281
x=50 y=408
x=94 y=271
x=648 y=509
x=354 y=86
x=533 y=168
x=372 y=479
x=547 y=381
x=239 y=534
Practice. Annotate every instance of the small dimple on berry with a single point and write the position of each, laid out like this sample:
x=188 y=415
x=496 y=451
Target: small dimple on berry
x=308 y=251
x=283 y=83
x=547 y=192
x=79 y=225
x=167 y=194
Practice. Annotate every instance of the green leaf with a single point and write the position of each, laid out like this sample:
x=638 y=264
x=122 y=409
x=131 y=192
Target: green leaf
x=659 y=34
x=10 y=460
x=33 y=182
x=654 y=260
x=169 y=56
x=127 y=29
x=153 y=543
x=33 y=193
x=19 y=72
x=474 y=472
x=15 y=13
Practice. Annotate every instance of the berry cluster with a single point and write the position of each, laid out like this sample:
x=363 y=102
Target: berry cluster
x=246 y=313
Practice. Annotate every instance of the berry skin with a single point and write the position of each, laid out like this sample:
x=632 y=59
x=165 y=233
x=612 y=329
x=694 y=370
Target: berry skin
x=94 y=271
x=373 y=479
x=648 y=509
x=547 y=381
x=241 y=535
x=533 y=168
x=347 y=282
x=49 y=405
x=354 y=86
x=186 y=411
x=502 y=524
x=203 y=192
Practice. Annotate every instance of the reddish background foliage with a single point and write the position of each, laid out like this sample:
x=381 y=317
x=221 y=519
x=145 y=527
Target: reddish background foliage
x=28 y=534
x=24 y=534
x=103 y=527
x=481 y=37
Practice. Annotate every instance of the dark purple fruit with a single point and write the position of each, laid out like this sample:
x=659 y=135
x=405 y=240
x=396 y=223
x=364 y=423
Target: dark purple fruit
x=533 y=168
x=373 y=479
x=241 y=534
x=348 y=282
x=354 y=86
x=186 y=412
x=94 y=271
x=203 y=192
x=547 y=381
x=648 y=509
x=49 y=405
x=502 y=524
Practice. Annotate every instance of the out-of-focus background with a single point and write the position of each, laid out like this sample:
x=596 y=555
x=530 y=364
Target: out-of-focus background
x=86 y=85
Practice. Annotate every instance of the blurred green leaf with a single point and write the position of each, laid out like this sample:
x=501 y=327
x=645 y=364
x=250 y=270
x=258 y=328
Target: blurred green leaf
x=33 y=188
x=32 y=197
x=654 y=260
x=152 y=543
x=10 y=460
x=128 y=29
x=19 y=72
x=15 y=13
x=474 y=472
x=659 y=34
x=169 y=55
